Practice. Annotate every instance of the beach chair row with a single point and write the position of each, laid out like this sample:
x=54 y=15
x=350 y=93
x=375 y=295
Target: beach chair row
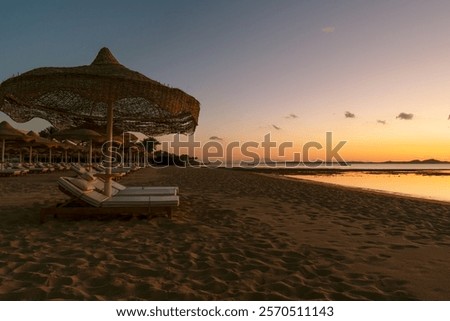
x=19 y=169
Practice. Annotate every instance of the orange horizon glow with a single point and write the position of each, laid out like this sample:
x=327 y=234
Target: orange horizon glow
x=360 y=149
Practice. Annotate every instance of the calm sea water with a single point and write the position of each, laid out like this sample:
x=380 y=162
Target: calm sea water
x=359 y=166
x=424 y=181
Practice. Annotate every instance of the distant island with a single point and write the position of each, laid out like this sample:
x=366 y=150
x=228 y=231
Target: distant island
x=414 y=161
x=293 y=163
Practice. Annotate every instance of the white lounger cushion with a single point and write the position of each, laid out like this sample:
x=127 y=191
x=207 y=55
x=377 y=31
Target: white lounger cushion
x=12 y=172
x=82 y=184
x=121 y=190
x=143 y=201
x=88 y=176
x=67 y=184
x=96 y=199
x=149 y=190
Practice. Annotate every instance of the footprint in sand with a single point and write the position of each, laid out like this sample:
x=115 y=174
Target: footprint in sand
x=402 y=246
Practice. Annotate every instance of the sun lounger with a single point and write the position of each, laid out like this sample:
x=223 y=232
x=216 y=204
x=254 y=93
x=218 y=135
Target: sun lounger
x=36 y=169
x=10 y=172
x=19 y=167
x=60 y=167
x=87 y=201
x=118 y=174
x=46 y=167
x=121 y=190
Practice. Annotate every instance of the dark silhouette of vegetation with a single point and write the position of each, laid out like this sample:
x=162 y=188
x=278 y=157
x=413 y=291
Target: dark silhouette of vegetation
x=47 y=132
x=162 y=158
x=150 y=144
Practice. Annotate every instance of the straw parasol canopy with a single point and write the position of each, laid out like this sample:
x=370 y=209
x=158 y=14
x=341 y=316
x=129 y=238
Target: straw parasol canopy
x=34 y=140
x=7 y=132
x=79 y=134
x=68 y=97
x=37 y=140
x=82 y=135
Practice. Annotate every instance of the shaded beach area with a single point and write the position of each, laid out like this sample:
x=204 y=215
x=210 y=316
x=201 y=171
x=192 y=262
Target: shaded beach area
x=237 y=235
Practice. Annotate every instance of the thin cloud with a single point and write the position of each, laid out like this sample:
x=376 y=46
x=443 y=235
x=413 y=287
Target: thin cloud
x=291 y=116
x=381 y=122
x=349 y=115
x=448 y=117
x=405 y=116
x=328 y=29
x=276 y=127
x=215 y=138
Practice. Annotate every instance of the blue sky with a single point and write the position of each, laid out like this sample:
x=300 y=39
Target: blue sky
x=252 y=64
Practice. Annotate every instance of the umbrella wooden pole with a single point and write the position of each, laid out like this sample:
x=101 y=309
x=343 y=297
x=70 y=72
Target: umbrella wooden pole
x=31 y=155
x=108 y=183
x=3 y=153
x=90 y=155
x=130 y=157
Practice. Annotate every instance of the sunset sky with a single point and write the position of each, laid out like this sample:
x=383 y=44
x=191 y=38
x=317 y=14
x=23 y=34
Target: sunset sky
x=374 y=73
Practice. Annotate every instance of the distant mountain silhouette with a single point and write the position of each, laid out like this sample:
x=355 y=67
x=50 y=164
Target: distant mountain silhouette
x=414 y=161
x=428 y=161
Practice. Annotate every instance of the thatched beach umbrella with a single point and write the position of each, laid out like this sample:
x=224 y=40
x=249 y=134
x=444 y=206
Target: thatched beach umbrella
x=81 y=135
x=64 y=147
x=69 y=97
x=7 y=132
x=34 y=140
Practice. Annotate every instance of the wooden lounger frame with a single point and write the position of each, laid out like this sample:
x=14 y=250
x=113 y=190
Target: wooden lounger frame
x=77 y=208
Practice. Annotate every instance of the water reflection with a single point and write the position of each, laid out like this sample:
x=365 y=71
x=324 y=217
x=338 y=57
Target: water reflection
x=424 y=185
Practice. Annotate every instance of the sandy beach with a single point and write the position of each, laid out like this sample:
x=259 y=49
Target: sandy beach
x=235 y=236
